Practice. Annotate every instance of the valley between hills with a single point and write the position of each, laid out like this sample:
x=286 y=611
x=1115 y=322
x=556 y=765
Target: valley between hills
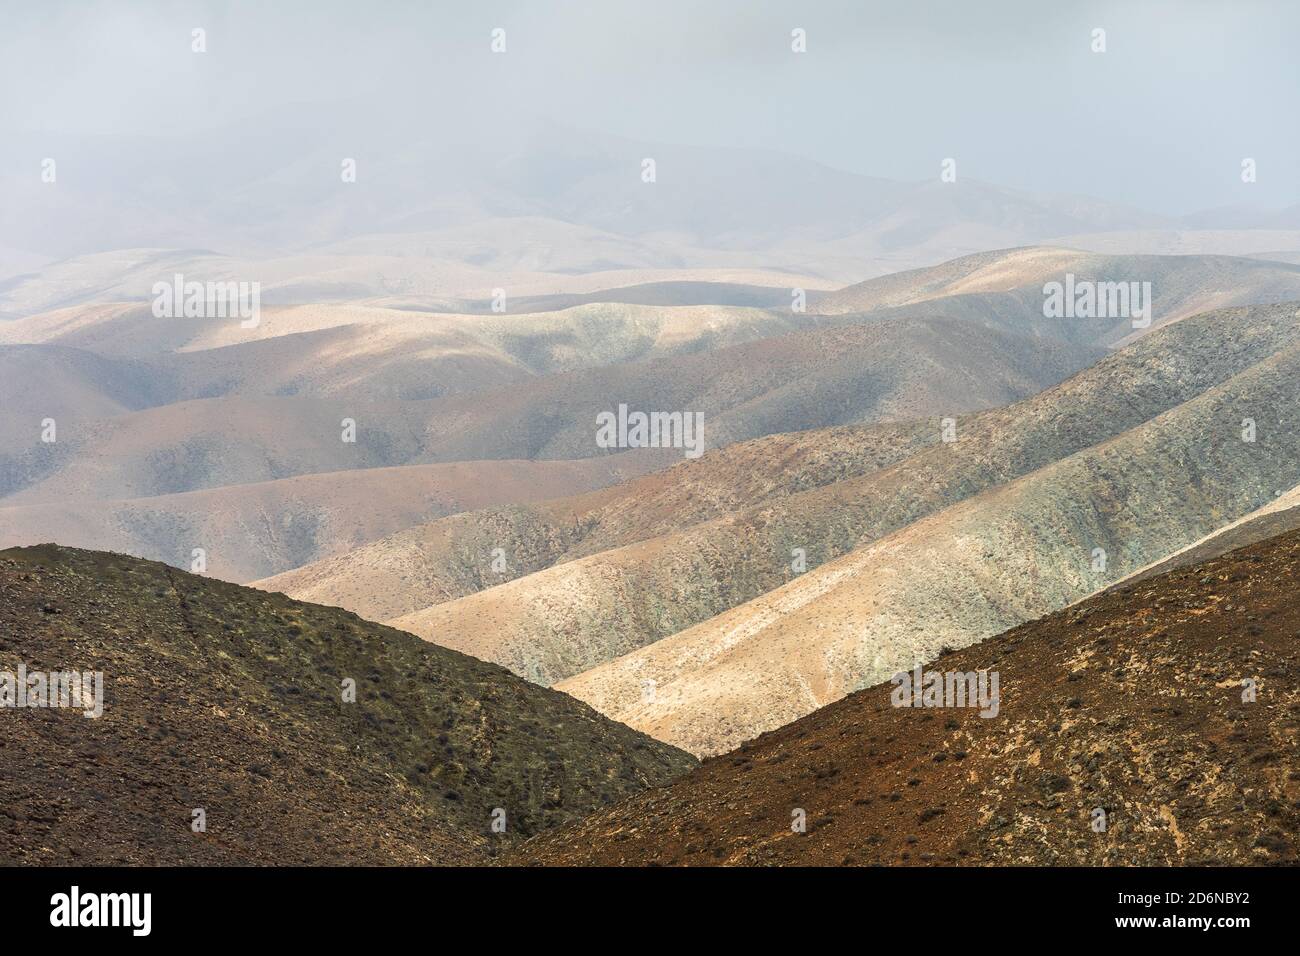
x=443 y=444
x=546 y=637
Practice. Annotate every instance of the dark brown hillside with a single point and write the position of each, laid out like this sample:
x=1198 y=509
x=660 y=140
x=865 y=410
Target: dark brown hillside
x=229 y=699
x=1131 y=701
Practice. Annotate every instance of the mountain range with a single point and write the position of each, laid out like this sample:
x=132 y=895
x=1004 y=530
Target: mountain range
x=907 y=459
x=1154 y=725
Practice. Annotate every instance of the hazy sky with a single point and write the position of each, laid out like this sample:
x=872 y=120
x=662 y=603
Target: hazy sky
x=1161 y=120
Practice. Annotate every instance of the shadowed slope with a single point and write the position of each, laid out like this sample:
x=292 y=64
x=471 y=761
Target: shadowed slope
x=231 y=700
x=249 y=531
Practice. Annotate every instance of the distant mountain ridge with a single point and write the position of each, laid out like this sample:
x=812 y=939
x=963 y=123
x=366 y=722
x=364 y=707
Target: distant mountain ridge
x=443 y=225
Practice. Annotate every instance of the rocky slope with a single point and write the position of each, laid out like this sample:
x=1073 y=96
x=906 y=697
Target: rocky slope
x=452 y=557
x=596 y=606
x=1277 y=517
x=1127 y=710
x=232 y=700
x=965 y=573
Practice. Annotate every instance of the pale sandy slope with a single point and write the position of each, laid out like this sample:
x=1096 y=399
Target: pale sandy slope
x=996 y=271
x=1181 y=285
x=450 y=558
x=1183 y=242
x=963 y=574
x=579 y=337
x=250 y=531
x=1004 y=289
x=606 y=596
x=338 y=346
x=1189 y=280
x=526 y=257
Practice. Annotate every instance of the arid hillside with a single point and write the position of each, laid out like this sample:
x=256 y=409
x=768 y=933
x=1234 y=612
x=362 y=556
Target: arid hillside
x=1275 y=518
x=540 y=438
x=233 y=701
x=965 y=573
x=828 y=377
x=604 y=602
x=1155 y=725
x=1005 y=290
x=151 y=411
x=452 y=557
x=250 y=530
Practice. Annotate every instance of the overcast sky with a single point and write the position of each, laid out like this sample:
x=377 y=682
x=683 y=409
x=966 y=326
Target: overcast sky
x=1161 y=120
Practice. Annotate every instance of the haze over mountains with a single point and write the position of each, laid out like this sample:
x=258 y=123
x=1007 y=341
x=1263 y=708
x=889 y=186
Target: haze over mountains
x=555 y=210
x=557 y=434
x=585 y=183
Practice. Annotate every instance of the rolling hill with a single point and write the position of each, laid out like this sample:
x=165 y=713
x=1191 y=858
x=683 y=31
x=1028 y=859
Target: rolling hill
x=603 y=603
x=1004 y=289
x=445 y=559
x=826 y=377
x=250 y=531
x=232 y=701
x=963 y=574
x=1124 y=737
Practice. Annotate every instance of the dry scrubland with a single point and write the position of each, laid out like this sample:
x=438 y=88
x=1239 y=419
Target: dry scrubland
x=228 y=698
x=1010 y=554
x=702 y=599
x=662 y=594
x=1130 y=702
